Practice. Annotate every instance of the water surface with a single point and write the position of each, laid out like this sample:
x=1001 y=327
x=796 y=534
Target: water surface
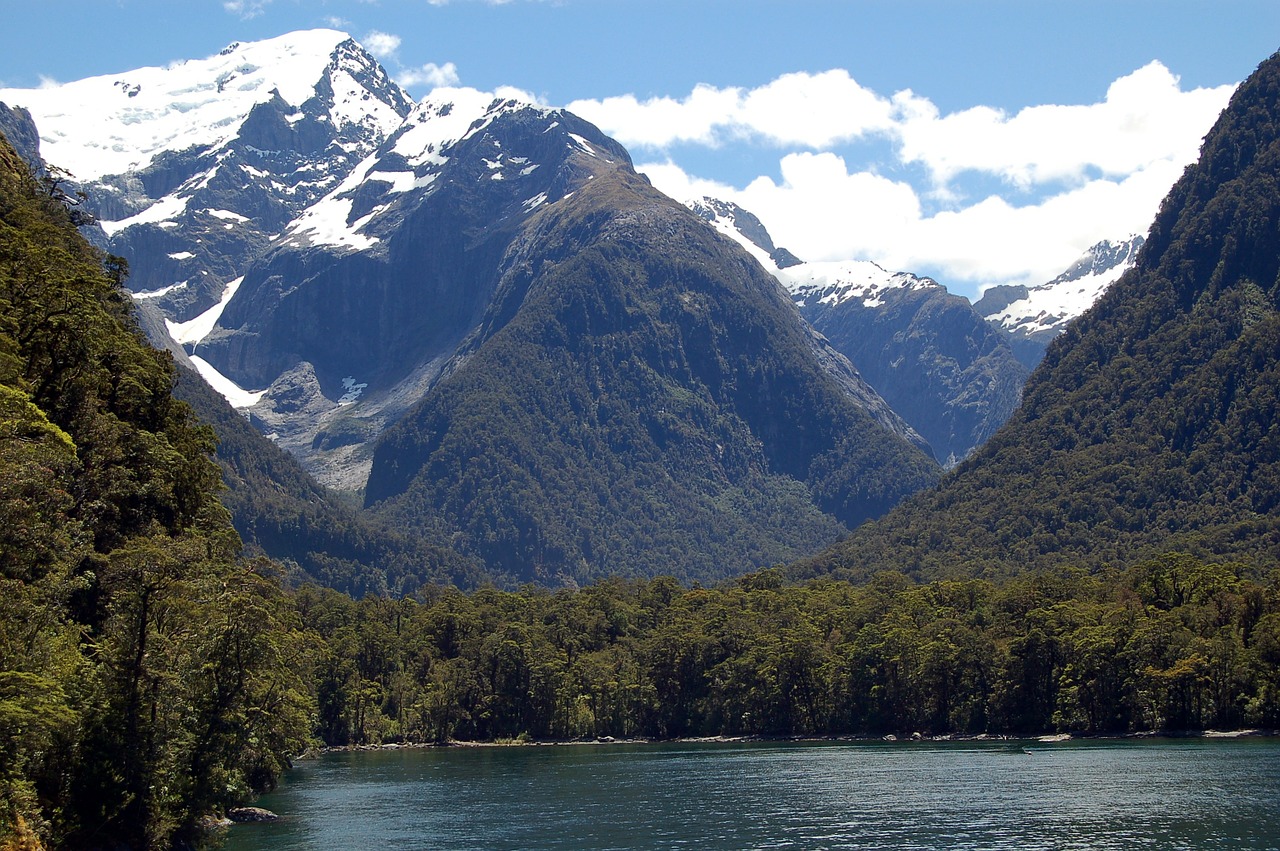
x=1195 y=793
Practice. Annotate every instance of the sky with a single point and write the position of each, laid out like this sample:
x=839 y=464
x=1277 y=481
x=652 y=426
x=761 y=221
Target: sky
x=974 y=141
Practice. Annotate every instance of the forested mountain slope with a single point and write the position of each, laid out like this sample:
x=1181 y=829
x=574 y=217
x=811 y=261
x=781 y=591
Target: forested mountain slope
x=1153 y=422
x=145 y=674
x=641 y=399
x=280 y=511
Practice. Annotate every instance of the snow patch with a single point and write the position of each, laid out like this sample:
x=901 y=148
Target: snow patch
x=227 y=215
x=584 y=145
x=166 y=209
x=181 y=255
x=325 y=223
x=194 y=330
x=162 y=291
x=236 y=395
x=353 y=390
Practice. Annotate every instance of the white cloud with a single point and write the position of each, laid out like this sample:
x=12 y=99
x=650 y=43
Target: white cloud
x=430 y=74
x=822 y=210
x=380 y=44
x=1056 y=178
x=1145 y=118
x=804 y=110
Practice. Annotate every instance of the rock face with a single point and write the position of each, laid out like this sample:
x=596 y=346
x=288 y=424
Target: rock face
x=1033 y=316
x=927 y=352
x=19 y=128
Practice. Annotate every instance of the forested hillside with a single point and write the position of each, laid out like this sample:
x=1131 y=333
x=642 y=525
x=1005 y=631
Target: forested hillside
x=1170 y=644
x=642 y=400
x=1154 y=421
x=146 y=671
x=281 y=512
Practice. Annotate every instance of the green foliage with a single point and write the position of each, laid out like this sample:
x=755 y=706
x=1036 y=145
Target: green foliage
x=280 y=511
x=1171 y=644
x=1153 y=422
x=648 y=404
x=147 y=674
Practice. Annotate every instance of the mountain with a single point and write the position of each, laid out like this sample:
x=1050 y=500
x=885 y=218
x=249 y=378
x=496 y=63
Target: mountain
x=194 y=168
x=927 y=352
x=1035 y=315
x=280 y=511
x=339 y=264
x=632 y=392
x=1151 y=424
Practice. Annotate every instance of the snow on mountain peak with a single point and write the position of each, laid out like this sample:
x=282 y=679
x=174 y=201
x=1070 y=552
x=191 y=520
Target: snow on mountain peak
x=411 y=159
x=1045 y=309
x=139 y=114
x=836 y=282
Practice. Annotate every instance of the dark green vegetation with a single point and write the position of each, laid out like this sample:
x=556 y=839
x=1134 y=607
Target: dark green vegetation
x=1173 y=644
x=281 y=512
x=1154 y=421
x=146 y=671
x=647 y=404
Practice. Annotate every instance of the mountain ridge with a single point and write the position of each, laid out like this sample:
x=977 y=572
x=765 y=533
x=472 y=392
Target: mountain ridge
x=1150 y=424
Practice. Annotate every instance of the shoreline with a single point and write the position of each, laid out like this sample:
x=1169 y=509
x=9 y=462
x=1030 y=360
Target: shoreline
x=1053 y=738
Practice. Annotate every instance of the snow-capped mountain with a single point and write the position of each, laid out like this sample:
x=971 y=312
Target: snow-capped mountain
x=926 y=351
x=366 y=297
x=475 y=310
x=194 y=169
x=743 y=228
x=834 y=283
x=1035 y=315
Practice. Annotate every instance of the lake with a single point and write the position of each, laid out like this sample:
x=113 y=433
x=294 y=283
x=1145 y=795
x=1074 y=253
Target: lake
x=1152 y=793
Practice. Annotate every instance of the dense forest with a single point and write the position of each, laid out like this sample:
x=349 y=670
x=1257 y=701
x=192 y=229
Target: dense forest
x=147 y=672
x=151 y=674
x=1169 y=644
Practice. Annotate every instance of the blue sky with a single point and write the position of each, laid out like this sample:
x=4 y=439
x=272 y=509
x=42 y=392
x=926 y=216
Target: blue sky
x=979 y=142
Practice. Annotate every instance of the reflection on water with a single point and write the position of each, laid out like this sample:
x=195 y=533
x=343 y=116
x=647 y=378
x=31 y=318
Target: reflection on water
x=1111 y=794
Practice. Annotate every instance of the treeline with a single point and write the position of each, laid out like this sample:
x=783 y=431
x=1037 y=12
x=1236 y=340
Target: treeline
x=1170 y=644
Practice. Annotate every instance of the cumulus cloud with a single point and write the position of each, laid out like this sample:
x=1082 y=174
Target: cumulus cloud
x=430 y=74
x=380 y=44
x=807 y=110
x=823 y=210
x=1145 y=118
x=1047 y=182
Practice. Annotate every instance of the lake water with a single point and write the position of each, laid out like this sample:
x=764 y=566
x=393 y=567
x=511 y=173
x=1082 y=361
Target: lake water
x=1160 y=794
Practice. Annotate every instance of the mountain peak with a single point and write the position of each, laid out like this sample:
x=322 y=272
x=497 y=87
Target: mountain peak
x=138 y=115
x=1038 y=314
x=744 y=228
